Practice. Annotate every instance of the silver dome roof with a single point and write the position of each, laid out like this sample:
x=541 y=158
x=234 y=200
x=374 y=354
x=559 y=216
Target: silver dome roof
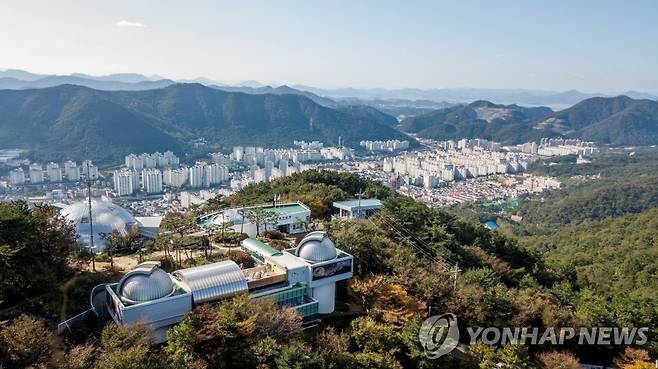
x=107 y=217
x=145 y=283
x=316 y=247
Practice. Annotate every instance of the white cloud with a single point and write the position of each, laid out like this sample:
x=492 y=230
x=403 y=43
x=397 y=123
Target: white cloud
x=129 y=24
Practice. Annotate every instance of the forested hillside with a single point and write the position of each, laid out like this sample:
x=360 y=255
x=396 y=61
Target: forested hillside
x=617 y=258
x=617 y=121
x=616 y=183
x=404 y=265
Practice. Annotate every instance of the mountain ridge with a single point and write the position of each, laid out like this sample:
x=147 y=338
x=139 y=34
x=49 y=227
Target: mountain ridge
x=618 y=120
x=64 y=122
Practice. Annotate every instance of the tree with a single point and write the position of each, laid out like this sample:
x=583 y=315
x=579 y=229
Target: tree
x=514 y=356
x=482 y=355
x=282 y=324
x=385 y=301
x=179 y=224
x=332 y=343
x=256 y=215
x=34 y=246
x=558 y=360
x=216 y=203
x=223 y=226
x=126 y=347
x=297 y=355
x=218 y=336
x=115 y=241
x=264 y=353
x=487 y=357
x=27 y=341
x=79 y=357
x=371 y=336
x=633 y=358
x=271 y=218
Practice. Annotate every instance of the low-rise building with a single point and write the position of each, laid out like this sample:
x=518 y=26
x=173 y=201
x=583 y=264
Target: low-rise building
x=290 y=218
x=358 y=208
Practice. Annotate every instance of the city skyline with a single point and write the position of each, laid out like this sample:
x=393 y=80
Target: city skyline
x=589 y=46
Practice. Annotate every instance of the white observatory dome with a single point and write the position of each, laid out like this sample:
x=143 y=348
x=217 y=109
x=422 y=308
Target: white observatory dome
x=145 y=283
x=106 y=217
x=316 y=247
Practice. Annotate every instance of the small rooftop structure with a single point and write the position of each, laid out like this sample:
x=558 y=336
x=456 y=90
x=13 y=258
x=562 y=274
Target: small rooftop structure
x=149 y=226
x=358 y=208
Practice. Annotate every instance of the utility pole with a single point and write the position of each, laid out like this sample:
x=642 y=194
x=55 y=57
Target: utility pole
x=456 y=273
x=359 y=195
x=91 y=221
x=242 y=219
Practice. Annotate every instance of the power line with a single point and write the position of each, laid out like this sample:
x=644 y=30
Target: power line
x=392 y=223
x=422 y=251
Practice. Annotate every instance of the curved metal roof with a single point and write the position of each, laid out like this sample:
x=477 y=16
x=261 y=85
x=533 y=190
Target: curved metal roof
x=146 y=282
x=213 y=281
x=316 y=247
x=255 y=245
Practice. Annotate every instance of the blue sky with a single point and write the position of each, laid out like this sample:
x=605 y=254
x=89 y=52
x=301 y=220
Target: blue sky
x=605 y=46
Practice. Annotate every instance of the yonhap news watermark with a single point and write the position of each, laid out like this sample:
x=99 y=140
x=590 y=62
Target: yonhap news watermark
x=440 y=335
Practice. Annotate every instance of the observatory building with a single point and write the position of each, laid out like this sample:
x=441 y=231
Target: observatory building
x=303 y=277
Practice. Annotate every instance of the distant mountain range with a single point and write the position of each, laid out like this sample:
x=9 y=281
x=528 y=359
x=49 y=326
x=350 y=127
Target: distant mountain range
x=75 y=122
x=617 y=120
x=36 y=111
x=465 y=95
x=397 y=102
x=130 y=82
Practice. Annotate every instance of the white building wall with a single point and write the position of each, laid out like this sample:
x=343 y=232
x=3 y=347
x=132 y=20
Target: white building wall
x=36 y=173
x=17 y=177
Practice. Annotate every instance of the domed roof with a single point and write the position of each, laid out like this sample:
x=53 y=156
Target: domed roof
x=316 y=247
x=106 y=216
x=145 y=283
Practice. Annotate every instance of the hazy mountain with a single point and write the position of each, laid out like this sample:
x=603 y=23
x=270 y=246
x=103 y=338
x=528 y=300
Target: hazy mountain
x=281 y=90
x=75 y=122
x=399 y=108
x=117 y=77
x=20 y=75
x=555 y=99
x=11 y=83
x=252 y=84
x=481 y=119
x=202 y=80
x=110 y=85
x=608 y=120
